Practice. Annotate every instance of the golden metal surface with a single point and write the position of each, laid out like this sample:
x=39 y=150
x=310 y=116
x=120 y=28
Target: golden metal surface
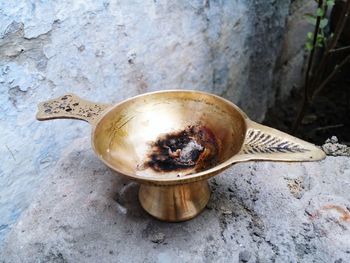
x=70 y=106
x=176 y=202
x=128 y=136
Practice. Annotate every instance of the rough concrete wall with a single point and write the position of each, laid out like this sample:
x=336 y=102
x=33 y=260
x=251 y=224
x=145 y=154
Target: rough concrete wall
x=289 y=69
x=108 y=51
x=268 y=20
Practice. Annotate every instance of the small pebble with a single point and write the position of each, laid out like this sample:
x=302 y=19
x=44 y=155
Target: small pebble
x=244 y=256
x=227 y=212
x=158 y=238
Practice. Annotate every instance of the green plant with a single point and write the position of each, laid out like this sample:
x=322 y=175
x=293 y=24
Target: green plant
x=320 y=13
x=324 y=47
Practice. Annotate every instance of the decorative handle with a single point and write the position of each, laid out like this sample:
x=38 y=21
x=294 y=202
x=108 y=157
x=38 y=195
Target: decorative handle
x=265 y=143
x=70 y=106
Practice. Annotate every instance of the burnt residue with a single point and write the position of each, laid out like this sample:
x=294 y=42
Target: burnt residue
x=194 y=148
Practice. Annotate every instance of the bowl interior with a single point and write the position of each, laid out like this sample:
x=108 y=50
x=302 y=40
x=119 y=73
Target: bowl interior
x=169 y=134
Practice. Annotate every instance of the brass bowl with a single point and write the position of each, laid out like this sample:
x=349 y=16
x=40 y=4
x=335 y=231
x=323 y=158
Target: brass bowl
x=173 y=141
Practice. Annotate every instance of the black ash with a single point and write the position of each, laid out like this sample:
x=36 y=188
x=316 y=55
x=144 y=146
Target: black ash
x=193 y=148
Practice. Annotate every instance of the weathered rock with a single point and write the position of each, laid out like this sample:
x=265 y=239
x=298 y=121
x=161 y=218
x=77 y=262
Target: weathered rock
x=333 y=147
x=111 y=50
x=244 y=256
x=289 y=71
x=86 y=213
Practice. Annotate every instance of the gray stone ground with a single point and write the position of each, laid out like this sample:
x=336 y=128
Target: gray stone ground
x=258 y=212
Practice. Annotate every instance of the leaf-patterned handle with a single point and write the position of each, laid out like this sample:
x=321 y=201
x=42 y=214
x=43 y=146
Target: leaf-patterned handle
x=265 y=143
x=70 y=106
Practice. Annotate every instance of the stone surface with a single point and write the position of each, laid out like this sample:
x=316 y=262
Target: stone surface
x=333 y=147
x=289 y=71
x=86 y=213
x=111 y=50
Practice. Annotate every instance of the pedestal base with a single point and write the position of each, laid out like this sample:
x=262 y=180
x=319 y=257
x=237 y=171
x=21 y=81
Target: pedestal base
x=175 y=203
